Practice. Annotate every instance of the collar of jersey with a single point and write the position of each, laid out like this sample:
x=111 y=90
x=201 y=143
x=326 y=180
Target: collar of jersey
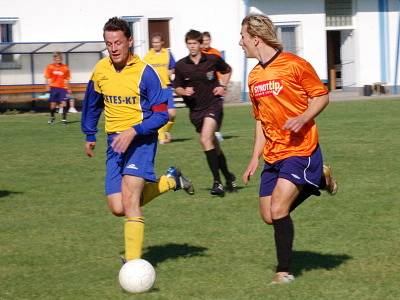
x=264 y=65
x=134 y=59
x=161 y=51
x=202 y=58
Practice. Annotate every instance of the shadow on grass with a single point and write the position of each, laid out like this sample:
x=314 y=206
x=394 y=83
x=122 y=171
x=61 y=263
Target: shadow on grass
x=306 y=261
x=174 y=140
x=7 y=193
x=158 y=254
x=228 y=137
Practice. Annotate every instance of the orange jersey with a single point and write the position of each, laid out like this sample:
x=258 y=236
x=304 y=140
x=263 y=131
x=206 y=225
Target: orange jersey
x=211 y=51
x=280 y=90
x=58 y=75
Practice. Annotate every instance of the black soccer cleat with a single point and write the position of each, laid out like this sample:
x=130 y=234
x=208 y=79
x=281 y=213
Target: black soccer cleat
x=181 y=181
x=231 y=185
x=217 y=189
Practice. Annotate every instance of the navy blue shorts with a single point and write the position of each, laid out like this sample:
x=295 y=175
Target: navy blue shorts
x=57 y=94
x=305 y=171
x=138 y=160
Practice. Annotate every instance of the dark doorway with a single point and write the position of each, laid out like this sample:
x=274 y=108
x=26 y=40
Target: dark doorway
x=160 y=26
x=334 y=59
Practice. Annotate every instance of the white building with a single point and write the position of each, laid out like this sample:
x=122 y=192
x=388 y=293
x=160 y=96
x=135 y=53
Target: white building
x=351 y=43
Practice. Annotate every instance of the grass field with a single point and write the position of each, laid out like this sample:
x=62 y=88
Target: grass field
x=58 y=240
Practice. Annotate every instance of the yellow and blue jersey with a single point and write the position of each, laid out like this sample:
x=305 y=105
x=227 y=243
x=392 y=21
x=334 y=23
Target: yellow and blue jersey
x=162 y=62
x=132 y=97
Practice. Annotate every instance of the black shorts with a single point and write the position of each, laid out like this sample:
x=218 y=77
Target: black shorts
x=214 y=111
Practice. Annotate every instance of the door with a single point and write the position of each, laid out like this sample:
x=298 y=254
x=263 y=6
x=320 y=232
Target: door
x=347 y=58
x=160 y=26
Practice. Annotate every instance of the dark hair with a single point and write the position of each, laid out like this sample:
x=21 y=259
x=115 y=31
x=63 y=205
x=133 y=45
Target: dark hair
x=57 y=53
x=118 y=24
x=207 y=34
x=157 y=35
x=194 y=35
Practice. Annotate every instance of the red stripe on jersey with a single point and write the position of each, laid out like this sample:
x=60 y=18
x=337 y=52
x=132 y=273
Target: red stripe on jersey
x=159 y=107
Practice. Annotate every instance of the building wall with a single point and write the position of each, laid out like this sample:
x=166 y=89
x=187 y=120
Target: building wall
x=83 y=21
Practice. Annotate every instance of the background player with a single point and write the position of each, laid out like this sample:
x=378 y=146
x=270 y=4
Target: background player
x=57 y=77
x=207 y=49
x=196 y=81
x=287 y=95
x=164 y=63
x=135 y=108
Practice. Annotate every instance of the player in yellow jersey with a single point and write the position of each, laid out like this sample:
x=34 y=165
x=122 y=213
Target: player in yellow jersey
x=130 y=93
x=162 y=60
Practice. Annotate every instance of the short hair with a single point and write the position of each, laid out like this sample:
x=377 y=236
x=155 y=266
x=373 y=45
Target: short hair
x=157 y=35
x=262 y=27
x=207 y=34
x=57 y=54
x=118 y=24
x=194 y=35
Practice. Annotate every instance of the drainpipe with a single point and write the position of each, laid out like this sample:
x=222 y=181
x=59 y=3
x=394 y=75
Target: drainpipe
x=244 y=94
x=396 y=66
x=384 y=39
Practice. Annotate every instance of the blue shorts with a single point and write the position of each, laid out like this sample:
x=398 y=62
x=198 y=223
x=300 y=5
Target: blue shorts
x=57 y=94
x=305 y=171
x=169 y=94
x=138 y=160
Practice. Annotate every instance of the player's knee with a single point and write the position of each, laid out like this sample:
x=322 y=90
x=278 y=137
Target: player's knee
x=117 y=211
x=205 y=141
x=278 y=210
x=172 y=114
x=266 y=219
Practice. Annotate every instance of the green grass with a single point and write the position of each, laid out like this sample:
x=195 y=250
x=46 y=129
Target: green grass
x=58 y=240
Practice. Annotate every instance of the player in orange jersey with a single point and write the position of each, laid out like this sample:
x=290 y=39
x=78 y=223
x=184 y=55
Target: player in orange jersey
x=287 y=95
x=57 y=77
x=206 y=45
x=207 y=49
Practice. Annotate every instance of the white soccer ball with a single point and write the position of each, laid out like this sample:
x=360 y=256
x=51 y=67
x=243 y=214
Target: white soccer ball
x=137 y=276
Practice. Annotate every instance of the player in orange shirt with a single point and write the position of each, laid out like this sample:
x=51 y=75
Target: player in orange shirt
x=206 y=45
x=207 y=49
x=286 y=95
x=57 y=77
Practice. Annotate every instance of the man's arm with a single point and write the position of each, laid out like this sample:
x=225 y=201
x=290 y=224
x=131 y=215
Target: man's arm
x=92 y=108
x=258 y=147
x=315 y=106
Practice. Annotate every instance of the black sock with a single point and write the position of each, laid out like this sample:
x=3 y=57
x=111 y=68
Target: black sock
x=213 y=163
x=322 y=184
x=284 y=234
x=223 y=166
x=64 y=114
x=52 y=112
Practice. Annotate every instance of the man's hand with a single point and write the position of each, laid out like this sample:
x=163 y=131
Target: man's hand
x=219 y=91
x=122 y=141
x=295 y=124
x=251 y=169
x=188 y=91
x=89 y=147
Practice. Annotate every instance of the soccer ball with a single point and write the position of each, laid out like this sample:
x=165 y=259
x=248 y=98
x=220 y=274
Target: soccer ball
x=137 y=276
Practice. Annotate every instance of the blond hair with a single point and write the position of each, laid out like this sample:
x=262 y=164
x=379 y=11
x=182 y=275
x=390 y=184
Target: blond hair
x=262 y=27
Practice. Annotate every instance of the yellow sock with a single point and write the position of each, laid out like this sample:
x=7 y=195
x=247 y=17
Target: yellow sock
x=153 y=189
x=166 y=128
x=134 y=233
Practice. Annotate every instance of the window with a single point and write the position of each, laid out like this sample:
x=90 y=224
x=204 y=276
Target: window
x=287 y=34
x=8 y=35
x=338 y=12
